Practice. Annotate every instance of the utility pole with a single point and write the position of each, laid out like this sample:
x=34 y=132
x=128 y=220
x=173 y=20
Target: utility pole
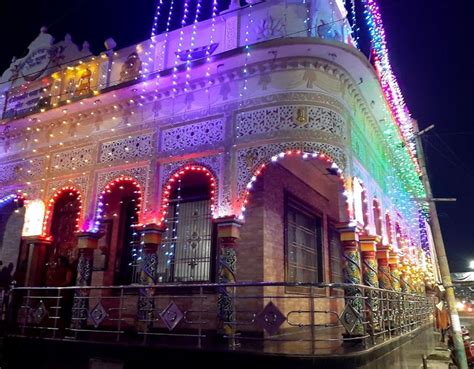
x=441 y=253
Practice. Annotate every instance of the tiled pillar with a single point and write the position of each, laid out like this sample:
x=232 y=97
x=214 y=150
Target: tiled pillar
x=404 y=278
x=393 y=264
x=383 y=267
x=151 y=239
x=37 y=258
x=352 y=275
x=86 y=243
x=368 y=249
x=228 y=232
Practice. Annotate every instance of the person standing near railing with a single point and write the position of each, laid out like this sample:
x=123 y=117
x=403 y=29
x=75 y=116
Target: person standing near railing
x=442 y=320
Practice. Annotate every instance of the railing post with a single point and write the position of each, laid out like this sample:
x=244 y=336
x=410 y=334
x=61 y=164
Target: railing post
x=201 y=307
x=312 y=320
x=57 y=315
x=151 y=239
x=228 y=232
x=119 y=322
x=26 y=313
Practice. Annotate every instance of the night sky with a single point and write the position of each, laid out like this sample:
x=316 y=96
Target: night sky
x=429 y=43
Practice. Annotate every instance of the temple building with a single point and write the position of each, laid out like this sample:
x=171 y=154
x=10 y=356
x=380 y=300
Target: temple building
x=233 y=175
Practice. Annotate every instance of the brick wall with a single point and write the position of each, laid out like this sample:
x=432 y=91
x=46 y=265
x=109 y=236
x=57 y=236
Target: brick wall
x=261 y=250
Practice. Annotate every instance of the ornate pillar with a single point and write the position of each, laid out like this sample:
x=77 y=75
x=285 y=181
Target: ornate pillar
x=37 y=258
x=394 y=270
x=86 y=243
x=368 y=248
x=228 y=232
x=352 y=315
x=404 y=278
x=383 y=270
x=151 y=239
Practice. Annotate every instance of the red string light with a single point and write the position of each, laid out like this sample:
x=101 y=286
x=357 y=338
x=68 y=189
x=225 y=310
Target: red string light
x=71 y=191
x=108 y=189
x=304 y=155
x=167 y=190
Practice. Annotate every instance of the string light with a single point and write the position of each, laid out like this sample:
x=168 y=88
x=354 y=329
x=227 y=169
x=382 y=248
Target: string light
x=176 y=177
x=388 y=80
x=304 y=155
x=116 y=183
x=64 y=191
x=211 y=43
x=177 y=60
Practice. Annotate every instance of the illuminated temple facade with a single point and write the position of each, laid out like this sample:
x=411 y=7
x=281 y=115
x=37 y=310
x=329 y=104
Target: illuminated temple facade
x=240 y=143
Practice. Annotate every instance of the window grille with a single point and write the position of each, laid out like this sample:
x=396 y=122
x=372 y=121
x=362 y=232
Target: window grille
x=185 y=253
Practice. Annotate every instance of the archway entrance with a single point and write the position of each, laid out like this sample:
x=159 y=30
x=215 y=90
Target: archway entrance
x=119 y=207
x=12 y=213
x=62 y=217
x=291 y=211
x=186 y=253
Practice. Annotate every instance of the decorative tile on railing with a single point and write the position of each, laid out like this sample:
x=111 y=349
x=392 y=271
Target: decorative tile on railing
x=192 y=135
x=126 y=148
x=291 y=117
x=72 y=159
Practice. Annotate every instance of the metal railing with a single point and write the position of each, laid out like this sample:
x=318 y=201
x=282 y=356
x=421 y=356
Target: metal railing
x=288 y=318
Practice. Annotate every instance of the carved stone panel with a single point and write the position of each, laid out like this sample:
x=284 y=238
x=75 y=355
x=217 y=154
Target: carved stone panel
x=291 y=117
x=81 y=183
x=192 y=135
x=22 y=170
x=72 y=159
x=126 y=148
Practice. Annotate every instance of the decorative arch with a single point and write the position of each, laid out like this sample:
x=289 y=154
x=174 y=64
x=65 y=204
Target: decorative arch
x=333 y=169
x=50 y=208
x=12 y=197
x=12 y=212
x=250 y=160
x=108 y=189
x=175 y=176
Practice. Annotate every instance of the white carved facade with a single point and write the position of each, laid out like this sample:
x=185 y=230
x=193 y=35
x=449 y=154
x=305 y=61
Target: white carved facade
x=297 y=100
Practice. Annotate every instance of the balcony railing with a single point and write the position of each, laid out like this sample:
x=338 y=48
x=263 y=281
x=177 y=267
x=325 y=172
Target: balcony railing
x=298 y=319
